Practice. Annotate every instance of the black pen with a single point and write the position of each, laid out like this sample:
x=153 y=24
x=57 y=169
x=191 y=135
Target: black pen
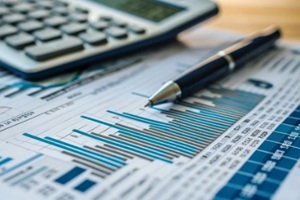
x=216 y=67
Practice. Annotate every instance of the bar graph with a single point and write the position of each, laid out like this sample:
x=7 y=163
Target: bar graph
x=85 y=185
x=269 y=165
x=37 y=172
x=20 y=164
x=70 y=175
x=186 y=132
x=86 y=134
x=5 y=160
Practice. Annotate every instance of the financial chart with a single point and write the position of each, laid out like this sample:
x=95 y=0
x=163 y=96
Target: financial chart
x=87 y=134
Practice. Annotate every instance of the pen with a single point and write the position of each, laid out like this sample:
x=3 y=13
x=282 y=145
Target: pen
x=216 y=67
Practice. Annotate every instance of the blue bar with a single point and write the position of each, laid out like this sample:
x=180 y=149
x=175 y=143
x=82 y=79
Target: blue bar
x=291 y=121
x=160 y=124
x=216 y=112
x=247 y=95
x=293 y=152
x=84 y=153
x=124 y=145
x=277 y=175
x=5 y=160
x=295 y=114
x=181 y=135
x=277 y=137
x=212 y=124
x=239 y=179
x=234 y=106
x=296 y=142
x=21 y=164
x=268 y=146
x=241 y=101
x=286 y=163
x=284 y=128
x=141 y=135
x=258 y=156
x=185 y=116
x=107 y=159
x=182 y=145
x=144 y=120
x=70 y=175
x=85 y=185
x=298 y=108
x=192 y=114
x=199 y=137
x=208 y=133
x=250 y=167
x=228 y=192
x=159 y=143
x=262 y=195
x=203 y=113
x=268 y=187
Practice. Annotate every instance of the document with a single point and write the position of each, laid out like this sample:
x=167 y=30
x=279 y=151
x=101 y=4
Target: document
x=87 y=134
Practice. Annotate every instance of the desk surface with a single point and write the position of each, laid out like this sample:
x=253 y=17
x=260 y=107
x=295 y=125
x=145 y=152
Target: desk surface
x=251 y=15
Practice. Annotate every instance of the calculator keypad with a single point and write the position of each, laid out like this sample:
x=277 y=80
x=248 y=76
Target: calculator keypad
x=20 y=41
x=54 y=48
x=46 y=29
x=47 y=34
x=30 y=26
x=7 y=30
x=94 y=38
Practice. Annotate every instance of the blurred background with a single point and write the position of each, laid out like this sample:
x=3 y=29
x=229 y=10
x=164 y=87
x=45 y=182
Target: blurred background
x=246 y=16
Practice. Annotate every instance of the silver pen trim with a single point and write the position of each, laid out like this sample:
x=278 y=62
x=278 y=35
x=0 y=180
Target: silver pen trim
x=168 y=92
x=229 y=59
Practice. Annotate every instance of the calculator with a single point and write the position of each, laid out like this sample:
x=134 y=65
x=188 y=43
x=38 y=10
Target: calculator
x=39 y=38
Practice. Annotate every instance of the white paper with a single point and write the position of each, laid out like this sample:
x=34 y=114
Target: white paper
x=87 y=135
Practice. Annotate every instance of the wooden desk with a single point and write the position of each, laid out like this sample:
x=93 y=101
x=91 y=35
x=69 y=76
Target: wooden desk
x=247 y=16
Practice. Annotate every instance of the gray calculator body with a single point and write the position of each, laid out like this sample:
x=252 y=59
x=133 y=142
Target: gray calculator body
x=87 y=31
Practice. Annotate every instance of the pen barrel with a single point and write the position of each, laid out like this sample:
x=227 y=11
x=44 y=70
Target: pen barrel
x=252 y=47
x=220 y=65
x=202 y=75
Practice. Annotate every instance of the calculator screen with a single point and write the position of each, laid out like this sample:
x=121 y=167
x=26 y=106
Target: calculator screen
x=149 y=9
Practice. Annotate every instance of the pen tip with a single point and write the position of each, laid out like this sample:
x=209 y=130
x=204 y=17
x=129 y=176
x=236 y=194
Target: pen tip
x=150 y=103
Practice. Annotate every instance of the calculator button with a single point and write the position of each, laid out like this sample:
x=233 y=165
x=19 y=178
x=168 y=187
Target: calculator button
x=54 y=49
x=20 y=41
x=73 y=28
x=62 y=3
x=82 y=10
x=78 y=17
x=46 y=4
x=4 y=11
x=55 y=21
x=30 y=26
x=94 y=38
x=23 y=7
x=14 y=18
x=136 y=29
x=7 y=30
x=118 y=23
x=60 y=10
x=10 y=2
x=47 y=34
x=106 y=18
x=116 y=32
x=39 y=14
x=99 y=25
